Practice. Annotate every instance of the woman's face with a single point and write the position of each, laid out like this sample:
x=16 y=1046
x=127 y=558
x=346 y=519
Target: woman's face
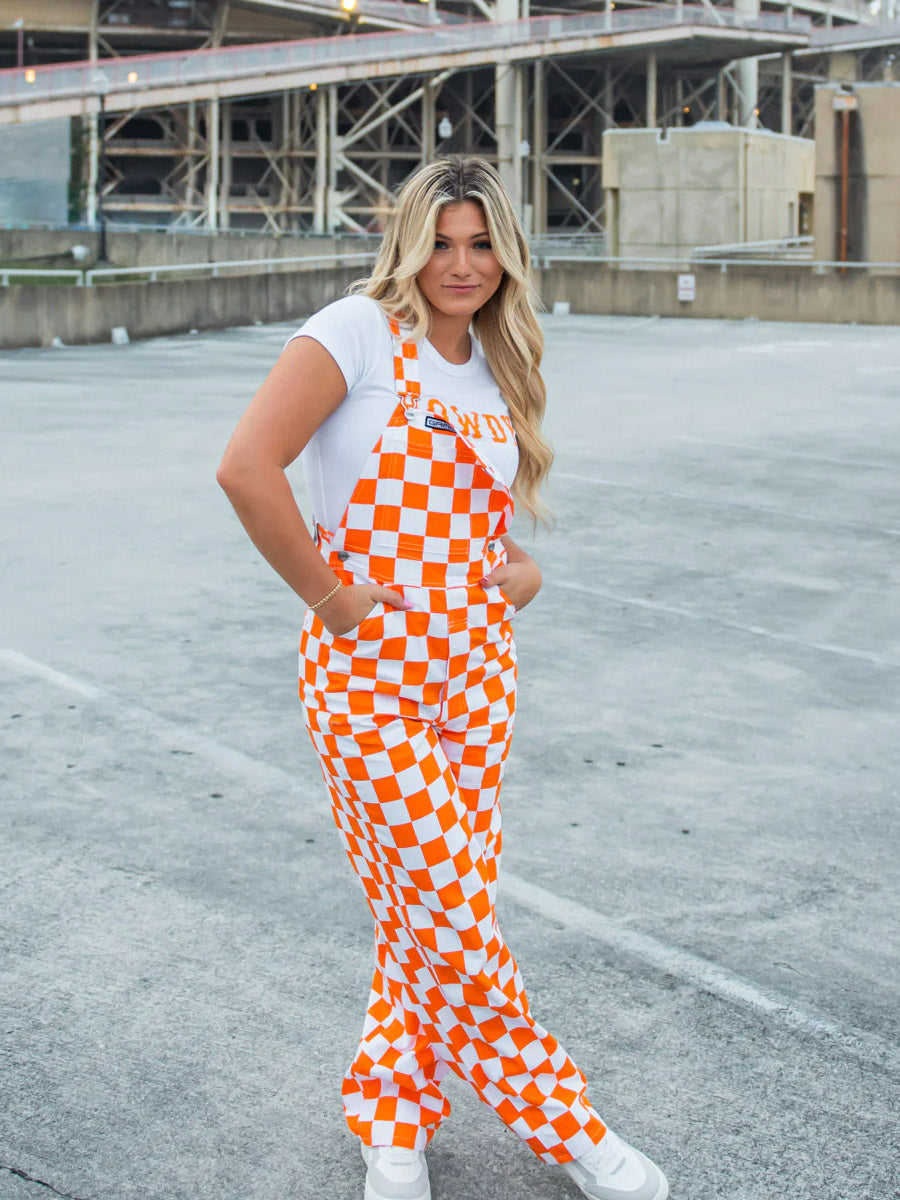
x=462 y=273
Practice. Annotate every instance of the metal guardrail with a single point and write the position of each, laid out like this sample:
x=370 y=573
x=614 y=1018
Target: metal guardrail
x=213 y=269
x=70 y=276
x=540 y=260
x=800 y=246
x=131 y=75
x=686 y=263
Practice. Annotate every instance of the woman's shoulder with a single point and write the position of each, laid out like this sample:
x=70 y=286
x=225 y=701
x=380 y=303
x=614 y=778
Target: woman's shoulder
x=357 y=308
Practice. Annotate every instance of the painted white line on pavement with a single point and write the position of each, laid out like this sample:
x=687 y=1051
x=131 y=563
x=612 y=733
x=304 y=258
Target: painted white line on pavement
x=857 y=1043
x=180 y=737
x=576 y=917
x=718 y=502
x=676 y=610
x=779 y=453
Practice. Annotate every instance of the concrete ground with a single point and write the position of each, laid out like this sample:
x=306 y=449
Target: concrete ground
x=700 y=872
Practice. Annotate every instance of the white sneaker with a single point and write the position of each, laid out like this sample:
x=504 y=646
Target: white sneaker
x=395 y=1173
x=613 y=1170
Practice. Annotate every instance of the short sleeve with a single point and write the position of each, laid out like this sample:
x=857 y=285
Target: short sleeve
x=352 y=330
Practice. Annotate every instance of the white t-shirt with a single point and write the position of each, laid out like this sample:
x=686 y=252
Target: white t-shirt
x=355 y=332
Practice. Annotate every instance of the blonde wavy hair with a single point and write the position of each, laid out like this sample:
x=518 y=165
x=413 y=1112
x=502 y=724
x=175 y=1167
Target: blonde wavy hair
x=506 y=324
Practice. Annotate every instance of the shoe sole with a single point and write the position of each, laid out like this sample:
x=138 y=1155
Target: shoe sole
x=371 y=1194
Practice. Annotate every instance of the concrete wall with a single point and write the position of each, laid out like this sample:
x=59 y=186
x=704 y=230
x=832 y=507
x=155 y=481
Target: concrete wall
x=765 y=293
x=706 y=185
x=35 y=165
x=873 y=176
x=146 y=249
x=34 y=316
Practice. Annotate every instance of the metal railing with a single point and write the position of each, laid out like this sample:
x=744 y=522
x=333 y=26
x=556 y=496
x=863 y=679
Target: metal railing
x=46 y=274
x=685 y=263
x=793 y=249
x=212 y=270
x=129 y=76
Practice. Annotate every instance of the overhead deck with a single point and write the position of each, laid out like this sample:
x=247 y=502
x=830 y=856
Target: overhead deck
x=685 y=34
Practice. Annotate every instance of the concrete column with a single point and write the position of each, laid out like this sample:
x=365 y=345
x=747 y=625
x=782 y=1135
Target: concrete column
x=747 y=70
x=508 y=127
x=508 y=112
x=321 y=176
x=299 y=100
x=212 y=170
x=428 y=122
x=538 y=146
x=721 y=96
x=466 y=126
x=190 y=145
x=225 y=186
x=843 y=66
x=93 y=122
x=651 y=90
x=787 y=92
x=331 y=219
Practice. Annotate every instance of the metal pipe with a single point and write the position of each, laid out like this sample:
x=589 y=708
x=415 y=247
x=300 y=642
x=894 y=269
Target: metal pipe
x=101 y=214
x=845 y=180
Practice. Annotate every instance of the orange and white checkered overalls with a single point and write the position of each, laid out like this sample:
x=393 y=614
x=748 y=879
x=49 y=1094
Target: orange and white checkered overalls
x=411 y=715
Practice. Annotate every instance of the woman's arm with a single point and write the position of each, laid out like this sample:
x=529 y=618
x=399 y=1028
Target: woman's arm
x=303 y=388
x=519 y=577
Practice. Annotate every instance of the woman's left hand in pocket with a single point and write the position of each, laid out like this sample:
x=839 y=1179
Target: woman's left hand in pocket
x=520 y=582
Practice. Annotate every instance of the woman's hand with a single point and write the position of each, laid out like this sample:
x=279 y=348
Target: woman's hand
x=351 y=605
x=520 y=580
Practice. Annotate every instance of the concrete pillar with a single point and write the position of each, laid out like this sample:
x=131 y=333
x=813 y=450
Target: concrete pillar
x=93 y=122
x=747 y=70
x=466 y=130
x=225 y=186
x=651 y=90
x=538 y=146
x=721 y=96
x=508 y=127
x=190 y=146
x=508 y=112
x=320 y=186
x=428 y=122
x=843 y=66
x=212 y=170
x=299 y=100
x=787 y=92
x=331 y=198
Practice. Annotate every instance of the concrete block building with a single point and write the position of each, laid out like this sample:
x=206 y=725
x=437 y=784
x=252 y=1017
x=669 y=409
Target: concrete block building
x=873 y=172
x=670 y=192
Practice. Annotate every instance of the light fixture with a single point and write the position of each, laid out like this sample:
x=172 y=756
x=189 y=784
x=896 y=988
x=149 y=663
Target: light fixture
x=313 y=86
x=30 y=76
x=687 y=108
x=348 y=5
x=524 y=148
x=756 y=112
x=444 y=127
x=132 y=76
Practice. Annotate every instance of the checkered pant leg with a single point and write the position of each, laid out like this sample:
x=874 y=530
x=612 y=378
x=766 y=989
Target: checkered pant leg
x=447 y=984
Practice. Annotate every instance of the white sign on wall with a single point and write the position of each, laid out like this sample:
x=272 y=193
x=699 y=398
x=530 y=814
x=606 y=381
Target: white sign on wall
x=687 y=287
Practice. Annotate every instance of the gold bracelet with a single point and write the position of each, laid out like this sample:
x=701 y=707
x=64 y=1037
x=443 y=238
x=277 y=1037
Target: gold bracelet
x=333 y=592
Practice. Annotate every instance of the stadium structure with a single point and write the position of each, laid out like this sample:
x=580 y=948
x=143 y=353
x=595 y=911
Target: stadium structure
x=307 y=115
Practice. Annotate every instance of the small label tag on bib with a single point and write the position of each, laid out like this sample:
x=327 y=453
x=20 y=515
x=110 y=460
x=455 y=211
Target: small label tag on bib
x=432 y=422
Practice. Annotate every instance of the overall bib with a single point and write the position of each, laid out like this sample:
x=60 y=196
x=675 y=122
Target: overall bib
x=411 y=714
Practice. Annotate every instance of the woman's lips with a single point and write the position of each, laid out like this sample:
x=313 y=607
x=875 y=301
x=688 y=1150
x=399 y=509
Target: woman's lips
x=468 y=287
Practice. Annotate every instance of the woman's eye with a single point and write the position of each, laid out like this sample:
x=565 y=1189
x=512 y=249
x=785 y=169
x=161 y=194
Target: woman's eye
x=483 y=246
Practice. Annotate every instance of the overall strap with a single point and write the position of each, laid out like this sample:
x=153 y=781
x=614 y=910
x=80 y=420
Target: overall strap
x=407 y=379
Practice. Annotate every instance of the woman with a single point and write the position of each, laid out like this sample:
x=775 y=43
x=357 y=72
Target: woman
x=417 y=403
